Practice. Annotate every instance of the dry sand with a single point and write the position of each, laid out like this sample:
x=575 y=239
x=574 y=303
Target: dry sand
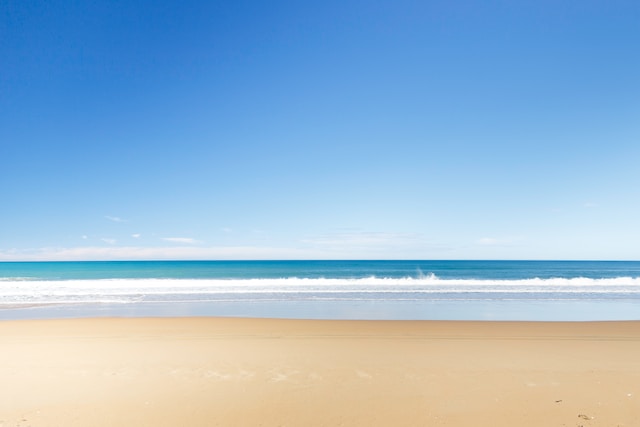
x=255 y=372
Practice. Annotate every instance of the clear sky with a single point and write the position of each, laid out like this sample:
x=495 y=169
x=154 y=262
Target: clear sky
x=342 y=129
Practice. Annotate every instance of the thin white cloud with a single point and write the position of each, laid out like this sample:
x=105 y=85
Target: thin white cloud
x=115 y=218
x=134 y=253
x=106 y=253
x=85 y=237
x=136 y=235
x=181 y=240
x=226 y=230
x=109 y=240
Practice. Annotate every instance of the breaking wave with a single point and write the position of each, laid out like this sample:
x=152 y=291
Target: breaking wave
x=19 y=291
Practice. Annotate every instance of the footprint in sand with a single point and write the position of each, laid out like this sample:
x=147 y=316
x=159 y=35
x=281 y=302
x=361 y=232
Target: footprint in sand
x=181 y=373
x=364 y=375
x=217 y=375
x=279 y=377
x=245 y=375
x=282 y=376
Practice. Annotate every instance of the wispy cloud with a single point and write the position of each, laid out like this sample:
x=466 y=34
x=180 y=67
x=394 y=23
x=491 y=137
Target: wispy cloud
x=115 y=218
x=181 y=240
x=105 y=253
x=136 y=235
x=339 y=245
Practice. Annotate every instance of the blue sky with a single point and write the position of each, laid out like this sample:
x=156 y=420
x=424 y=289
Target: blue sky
x=335 y=129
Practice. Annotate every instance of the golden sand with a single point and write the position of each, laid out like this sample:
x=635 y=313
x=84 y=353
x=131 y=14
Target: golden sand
x=268 y=372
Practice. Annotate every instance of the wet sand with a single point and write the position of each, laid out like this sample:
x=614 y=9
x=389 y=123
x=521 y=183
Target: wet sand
x=269 y=372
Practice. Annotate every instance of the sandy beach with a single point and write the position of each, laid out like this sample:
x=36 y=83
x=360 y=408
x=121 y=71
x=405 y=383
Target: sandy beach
x=269 y=372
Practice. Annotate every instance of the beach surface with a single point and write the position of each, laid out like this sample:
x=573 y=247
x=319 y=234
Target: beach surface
x=271 y=372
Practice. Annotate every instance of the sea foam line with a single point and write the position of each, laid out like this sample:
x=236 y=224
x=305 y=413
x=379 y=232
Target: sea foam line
x=305 y=281
x=318 y=285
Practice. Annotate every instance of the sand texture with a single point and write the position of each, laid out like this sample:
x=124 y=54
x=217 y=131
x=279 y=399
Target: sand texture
x=256 y=372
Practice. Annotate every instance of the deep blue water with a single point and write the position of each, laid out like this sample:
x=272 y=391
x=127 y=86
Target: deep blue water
x=502 y=270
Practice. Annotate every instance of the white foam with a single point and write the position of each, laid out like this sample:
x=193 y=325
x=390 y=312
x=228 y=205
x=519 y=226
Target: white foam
x=22 y=291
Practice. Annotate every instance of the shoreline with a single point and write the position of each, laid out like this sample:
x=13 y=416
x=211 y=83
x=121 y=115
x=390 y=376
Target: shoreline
x=437 y=310
x=247 y=371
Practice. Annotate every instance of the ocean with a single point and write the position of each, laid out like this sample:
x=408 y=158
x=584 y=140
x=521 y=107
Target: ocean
x=419 y=290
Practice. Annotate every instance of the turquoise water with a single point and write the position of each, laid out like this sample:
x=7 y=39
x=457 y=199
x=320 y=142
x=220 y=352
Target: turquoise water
x=439 y=290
